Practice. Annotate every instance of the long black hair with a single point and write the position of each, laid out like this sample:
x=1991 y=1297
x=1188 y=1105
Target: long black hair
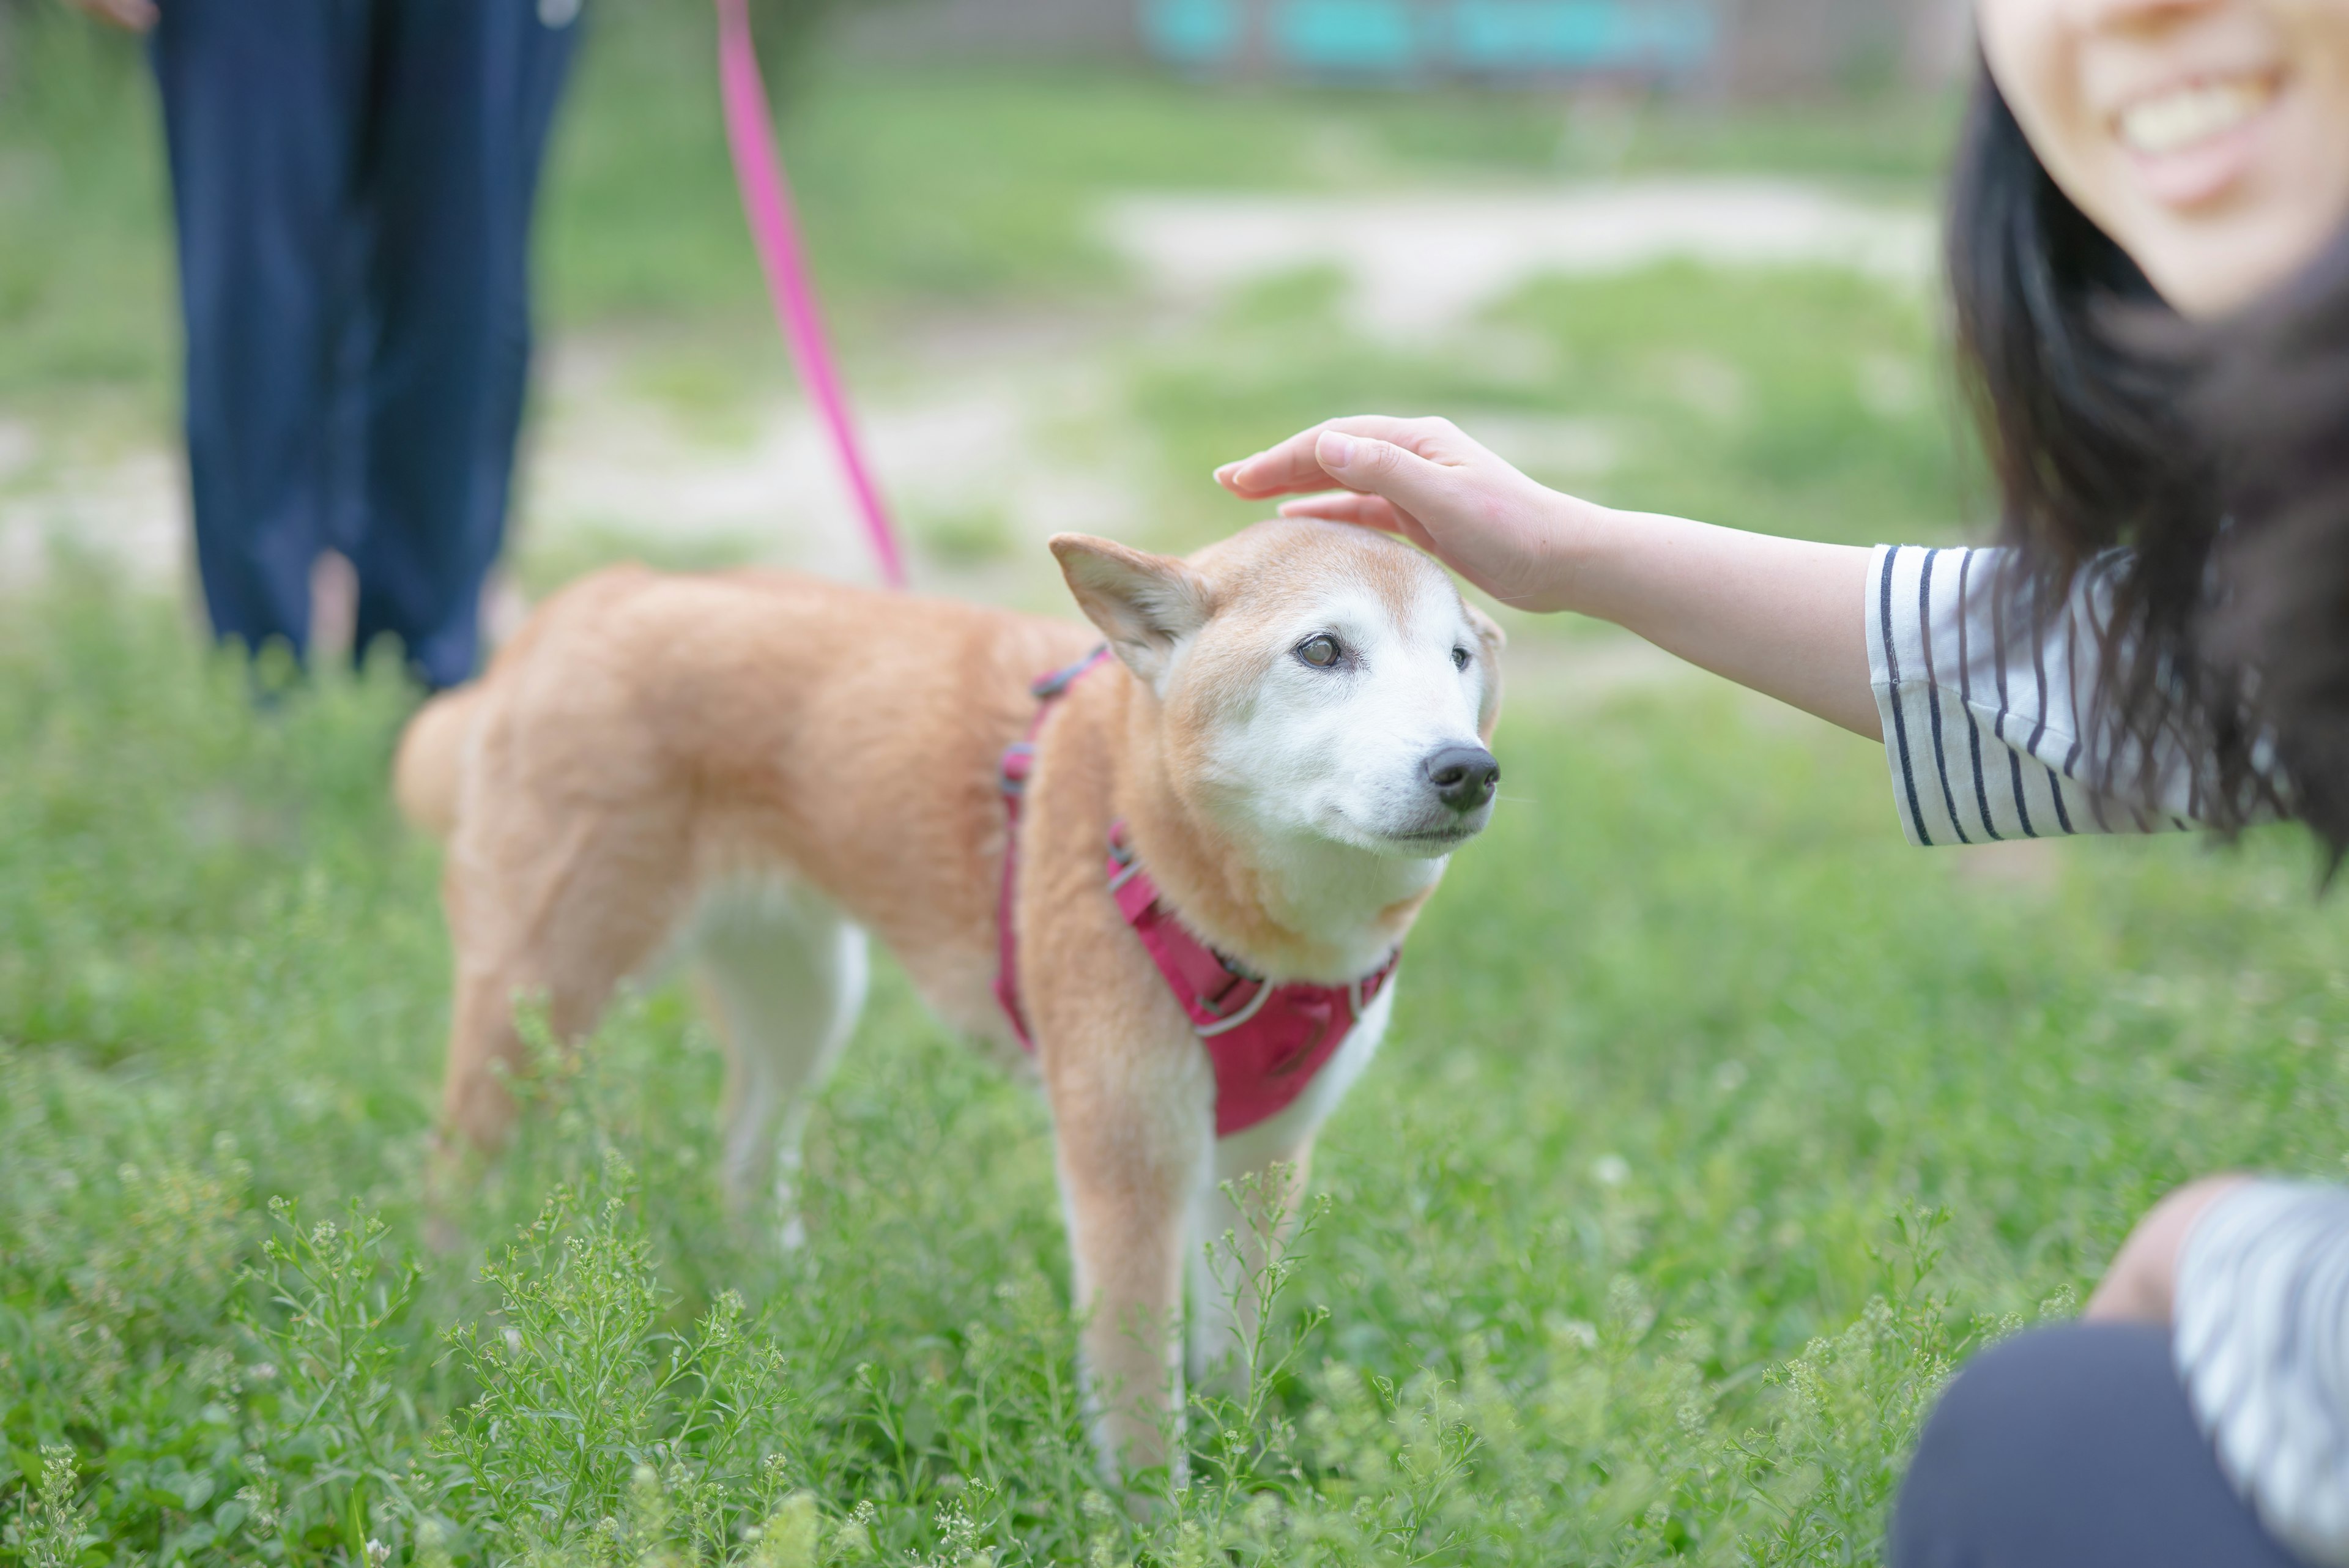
x=2205 y=469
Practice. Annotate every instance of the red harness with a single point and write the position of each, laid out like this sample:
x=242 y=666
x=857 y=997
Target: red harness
x=1266 y=1041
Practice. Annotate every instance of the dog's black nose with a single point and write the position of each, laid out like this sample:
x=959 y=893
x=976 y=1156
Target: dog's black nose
x=1464 y=776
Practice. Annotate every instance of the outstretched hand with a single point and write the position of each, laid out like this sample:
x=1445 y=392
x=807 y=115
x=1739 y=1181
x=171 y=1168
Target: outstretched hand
x=1429 y=481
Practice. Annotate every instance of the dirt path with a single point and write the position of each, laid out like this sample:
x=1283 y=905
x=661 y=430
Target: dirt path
x=1418 y=266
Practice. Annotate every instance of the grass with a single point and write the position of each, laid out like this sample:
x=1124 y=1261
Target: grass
x=1716 y=1125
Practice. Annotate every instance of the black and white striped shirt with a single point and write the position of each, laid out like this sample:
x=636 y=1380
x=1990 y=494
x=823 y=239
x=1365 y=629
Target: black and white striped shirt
x=1986 y=727
x=2261 y=1342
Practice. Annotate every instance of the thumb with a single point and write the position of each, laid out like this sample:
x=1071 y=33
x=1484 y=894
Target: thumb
x=1382 y=468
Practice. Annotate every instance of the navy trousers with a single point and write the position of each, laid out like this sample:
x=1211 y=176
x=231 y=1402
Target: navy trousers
x=2073 y=1446
x=353 y=181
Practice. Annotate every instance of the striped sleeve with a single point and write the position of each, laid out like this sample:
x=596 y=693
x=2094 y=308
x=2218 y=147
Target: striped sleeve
x=2261 y=1343
x=1985 y=731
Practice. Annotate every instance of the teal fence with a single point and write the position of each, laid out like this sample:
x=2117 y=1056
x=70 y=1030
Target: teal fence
x=1404 y=39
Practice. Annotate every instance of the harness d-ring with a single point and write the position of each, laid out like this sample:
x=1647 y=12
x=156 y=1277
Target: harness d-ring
x=1264 y=989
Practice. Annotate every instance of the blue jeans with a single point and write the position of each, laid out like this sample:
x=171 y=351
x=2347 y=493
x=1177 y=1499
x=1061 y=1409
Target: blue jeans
x=2074 y=1447
x=353 y=181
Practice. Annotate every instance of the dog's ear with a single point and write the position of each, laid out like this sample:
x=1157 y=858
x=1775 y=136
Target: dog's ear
x=1145 y=604
x=1490 y=640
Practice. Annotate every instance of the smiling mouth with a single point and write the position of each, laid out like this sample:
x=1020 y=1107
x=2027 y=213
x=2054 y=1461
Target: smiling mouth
x=2186 y=116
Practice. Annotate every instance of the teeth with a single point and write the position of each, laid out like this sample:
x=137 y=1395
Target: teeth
x=2191 y=114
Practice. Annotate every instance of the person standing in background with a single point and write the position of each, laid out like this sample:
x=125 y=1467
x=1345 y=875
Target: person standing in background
x=353 y=182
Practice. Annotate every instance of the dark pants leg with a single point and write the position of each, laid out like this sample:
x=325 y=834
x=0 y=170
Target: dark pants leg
x=354 y=181
x=2072 y=1448
x=463 y=92
x=262 y=108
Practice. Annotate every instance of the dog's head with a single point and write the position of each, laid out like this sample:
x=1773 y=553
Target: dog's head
x=1308 y=679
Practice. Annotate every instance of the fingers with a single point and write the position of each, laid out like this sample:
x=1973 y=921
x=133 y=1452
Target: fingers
x=1277 y=470
x=1406 y=481
x=1347 y=506
x=1363 y=511
x=1295 y=465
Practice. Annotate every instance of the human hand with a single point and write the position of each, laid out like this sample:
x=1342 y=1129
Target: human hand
x=1429 y=481
x=2142 y=1283
x=131 y=15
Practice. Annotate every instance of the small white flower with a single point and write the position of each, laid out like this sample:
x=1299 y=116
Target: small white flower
x=1610 y=1170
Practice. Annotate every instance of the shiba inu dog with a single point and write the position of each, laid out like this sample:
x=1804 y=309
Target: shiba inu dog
x=1170 y=882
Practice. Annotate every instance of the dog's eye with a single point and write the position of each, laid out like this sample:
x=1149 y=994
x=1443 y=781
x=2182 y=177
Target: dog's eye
x=1320 y=651
x=1459 y=658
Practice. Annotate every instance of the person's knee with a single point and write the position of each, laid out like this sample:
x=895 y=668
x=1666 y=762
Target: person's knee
x=2010 y=1437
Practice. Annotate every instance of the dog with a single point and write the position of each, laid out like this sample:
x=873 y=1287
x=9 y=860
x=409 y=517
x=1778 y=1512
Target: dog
x=1248 y=797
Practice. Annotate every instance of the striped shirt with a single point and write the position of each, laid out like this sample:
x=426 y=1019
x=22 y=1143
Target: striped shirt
x=1987 y=729
x=2261 y=1341
x=1985 y=726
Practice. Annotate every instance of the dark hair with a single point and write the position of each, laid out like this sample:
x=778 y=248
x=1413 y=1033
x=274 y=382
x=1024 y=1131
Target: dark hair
x=2216 y=457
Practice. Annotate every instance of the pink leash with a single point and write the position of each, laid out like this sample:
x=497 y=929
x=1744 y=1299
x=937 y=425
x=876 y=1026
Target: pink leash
x=766 y=204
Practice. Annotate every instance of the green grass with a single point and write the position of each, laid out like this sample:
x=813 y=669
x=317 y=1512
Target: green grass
x=1621 y=1262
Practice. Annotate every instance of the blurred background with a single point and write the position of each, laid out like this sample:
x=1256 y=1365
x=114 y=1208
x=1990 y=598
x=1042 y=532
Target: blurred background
x=1675 y=252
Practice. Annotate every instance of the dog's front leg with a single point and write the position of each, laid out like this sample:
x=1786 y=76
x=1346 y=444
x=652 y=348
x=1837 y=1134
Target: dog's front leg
x=1136 y=1132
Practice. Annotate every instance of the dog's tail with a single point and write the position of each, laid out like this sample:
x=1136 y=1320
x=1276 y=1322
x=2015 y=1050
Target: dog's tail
x=425 y=774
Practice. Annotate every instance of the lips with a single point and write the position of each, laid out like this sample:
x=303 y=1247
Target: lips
x=2195 y=141
x=2183 y=118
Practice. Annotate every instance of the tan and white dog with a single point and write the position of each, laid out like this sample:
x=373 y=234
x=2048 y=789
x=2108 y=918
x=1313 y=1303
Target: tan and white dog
x=766 y=767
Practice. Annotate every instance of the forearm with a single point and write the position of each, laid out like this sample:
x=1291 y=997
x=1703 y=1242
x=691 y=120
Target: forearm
x=1781 y=616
